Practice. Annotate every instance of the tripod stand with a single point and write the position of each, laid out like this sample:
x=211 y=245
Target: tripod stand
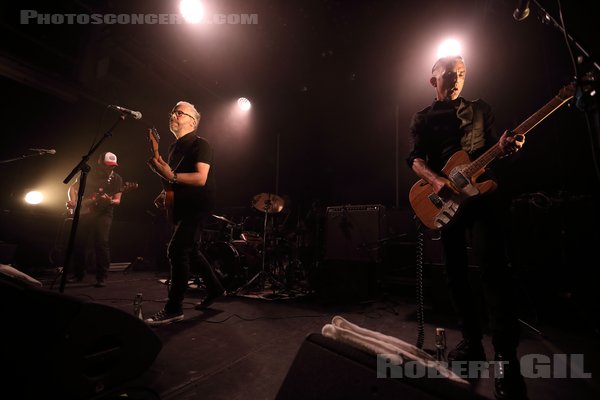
x=267 y=203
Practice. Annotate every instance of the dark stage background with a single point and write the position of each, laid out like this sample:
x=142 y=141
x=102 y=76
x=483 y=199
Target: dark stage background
x=333 y=85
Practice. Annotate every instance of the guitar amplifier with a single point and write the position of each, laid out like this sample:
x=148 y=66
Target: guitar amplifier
x=354 y=232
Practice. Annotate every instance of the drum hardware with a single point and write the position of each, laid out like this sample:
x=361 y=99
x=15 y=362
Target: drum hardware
x=267 y=203
x=234 y=262
x=231 y=225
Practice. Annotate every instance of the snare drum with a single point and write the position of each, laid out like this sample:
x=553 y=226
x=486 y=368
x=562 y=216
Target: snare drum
x=235 y=262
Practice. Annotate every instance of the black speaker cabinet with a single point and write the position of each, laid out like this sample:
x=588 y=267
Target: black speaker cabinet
x=354 y=232
x=60 y=346
x=327 y=369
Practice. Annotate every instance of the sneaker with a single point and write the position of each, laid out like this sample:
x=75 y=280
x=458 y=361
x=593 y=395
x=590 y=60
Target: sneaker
x=208 y=300
x=467 y=350
x=163 y=318
x=99 y=284
x=508 y=381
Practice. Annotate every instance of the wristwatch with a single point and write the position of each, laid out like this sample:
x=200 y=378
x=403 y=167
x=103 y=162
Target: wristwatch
x=174 y=179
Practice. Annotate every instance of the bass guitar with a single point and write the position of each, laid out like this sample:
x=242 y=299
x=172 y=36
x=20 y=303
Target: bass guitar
x=436 y=212
x=165 y=200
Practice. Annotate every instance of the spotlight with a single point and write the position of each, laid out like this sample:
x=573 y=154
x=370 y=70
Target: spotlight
x=449 y=47
x=34 y=197
x=191 y=10
x=244 y=104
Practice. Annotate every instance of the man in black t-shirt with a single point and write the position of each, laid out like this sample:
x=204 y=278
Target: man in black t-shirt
x=102 y=193
x=189 y=190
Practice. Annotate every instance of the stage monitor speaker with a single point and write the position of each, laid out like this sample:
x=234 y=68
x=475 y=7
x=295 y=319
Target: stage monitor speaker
x=354 y=232
x=60 y=346
x=327 y=369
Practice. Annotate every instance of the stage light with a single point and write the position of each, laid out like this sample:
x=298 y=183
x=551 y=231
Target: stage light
x=244 y=104
x=34 y=197
x=191 y=10
x=449 y=47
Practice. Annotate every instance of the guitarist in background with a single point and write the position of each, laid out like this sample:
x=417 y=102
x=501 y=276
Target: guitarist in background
x=450 y=124
x=102 y=193
x=189 y=177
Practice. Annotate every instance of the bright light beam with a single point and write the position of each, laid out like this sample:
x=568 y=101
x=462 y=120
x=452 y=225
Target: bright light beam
x=449 y=47
x=244 y=104
x=34 y=197
x=191 y=10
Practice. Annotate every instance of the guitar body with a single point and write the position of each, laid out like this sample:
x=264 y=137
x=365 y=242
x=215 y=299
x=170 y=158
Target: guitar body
x=88 y=205
x=165 y=201
x=91 y=203
x=438 y=213
x=169 y=202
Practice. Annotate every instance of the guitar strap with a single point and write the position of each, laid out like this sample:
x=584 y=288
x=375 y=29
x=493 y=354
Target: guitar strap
x=110 y=177
x=169 y=159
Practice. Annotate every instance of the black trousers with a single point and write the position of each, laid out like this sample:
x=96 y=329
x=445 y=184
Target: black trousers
x=481 y=226
x=185 y=255
x=93 y=242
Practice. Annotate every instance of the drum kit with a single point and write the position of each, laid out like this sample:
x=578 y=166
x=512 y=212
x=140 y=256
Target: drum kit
x=248 y=261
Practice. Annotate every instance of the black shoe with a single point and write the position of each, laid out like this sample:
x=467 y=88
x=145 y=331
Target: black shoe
x=163 y=318
x=100 y=284
x=208 y=300
x=467 y=350
x=508 y=381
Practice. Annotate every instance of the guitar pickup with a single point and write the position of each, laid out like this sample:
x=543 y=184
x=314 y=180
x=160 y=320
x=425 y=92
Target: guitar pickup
x=459 y=179
x=436 y=200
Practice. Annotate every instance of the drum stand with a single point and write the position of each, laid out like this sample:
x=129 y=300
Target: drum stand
x=263 y=276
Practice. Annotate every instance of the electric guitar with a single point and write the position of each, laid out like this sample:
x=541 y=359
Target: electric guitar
x=438 y=213
x=165 y=199
x=98 y=200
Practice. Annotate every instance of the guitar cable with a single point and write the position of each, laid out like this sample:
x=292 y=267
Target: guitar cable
x=419 y=284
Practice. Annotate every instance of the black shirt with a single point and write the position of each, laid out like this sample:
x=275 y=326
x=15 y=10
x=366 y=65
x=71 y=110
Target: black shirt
x=446 y=127
x=184 y=154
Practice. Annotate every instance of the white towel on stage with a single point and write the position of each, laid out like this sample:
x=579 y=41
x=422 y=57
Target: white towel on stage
x=397 y=350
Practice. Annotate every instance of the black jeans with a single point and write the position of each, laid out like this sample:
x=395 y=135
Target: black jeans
x=481 y=226
x=94 y=244
x=184 y=254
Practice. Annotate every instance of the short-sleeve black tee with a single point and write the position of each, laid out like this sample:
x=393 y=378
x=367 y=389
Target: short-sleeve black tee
x=184 y=154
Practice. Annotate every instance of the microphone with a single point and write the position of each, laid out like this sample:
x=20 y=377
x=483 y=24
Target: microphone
x=134 y=114
x=522 y=10
x=44 y=151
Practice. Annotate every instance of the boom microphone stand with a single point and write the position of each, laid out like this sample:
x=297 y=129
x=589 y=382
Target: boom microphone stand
x=84 y=169
x=586 y=87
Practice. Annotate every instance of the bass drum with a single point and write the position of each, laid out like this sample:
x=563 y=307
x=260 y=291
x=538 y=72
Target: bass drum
x=235 y=262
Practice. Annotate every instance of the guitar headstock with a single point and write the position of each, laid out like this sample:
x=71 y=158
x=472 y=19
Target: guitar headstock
x=153 y=138
x=567 y=91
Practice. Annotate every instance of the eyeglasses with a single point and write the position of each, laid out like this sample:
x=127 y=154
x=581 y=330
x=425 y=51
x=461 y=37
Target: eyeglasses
x=179 y=113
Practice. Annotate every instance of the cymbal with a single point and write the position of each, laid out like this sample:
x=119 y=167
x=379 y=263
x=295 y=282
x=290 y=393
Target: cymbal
x=268 y=202
x=224 y=219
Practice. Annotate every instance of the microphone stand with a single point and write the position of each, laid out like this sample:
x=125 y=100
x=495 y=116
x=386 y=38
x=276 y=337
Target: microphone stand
x=585 y=97
x=546 y=18
x=84 y=168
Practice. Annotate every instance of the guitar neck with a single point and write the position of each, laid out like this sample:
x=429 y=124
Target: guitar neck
x=540 y=115
x=495 y=151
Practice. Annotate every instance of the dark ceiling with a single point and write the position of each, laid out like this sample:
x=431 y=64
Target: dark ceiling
x=333 y=86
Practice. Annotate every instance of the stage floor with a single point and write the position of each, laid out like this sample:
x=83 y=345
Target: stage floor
x=243 y=346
